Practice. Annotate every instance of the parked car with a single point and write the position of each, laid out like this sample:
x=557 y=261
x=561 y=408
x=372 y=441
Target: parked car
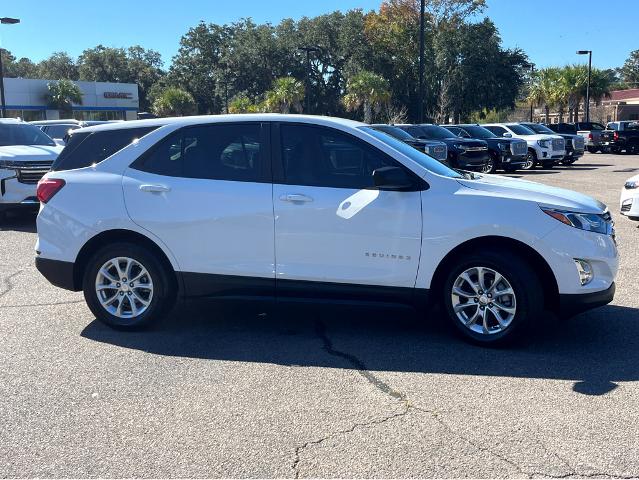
x=508 y=154
x=542 y=148
x=591 y=131
x=463 y=154
x=434 y=148
x=575 y=145
x=59 y=129
x=629 y=201
x=26 y=154
x=311 y=207
x=621 y=136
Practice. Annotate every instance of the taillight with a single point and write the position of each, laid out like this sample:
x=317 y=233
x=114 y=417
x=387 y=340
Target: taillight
x=48 y=187
x=590 y=137
x=615 y=135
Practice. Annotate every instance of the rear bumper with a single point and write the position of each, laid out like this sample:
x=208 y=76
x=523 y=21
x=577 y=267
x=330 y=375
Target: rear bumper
x=58 y=273
x=572 y=304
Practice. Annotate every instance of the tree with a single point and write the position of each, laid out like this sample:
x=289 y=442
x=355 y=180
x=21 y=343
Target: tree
x=13 y=68
x=630 y=70
x=174 y=102
x=368 y=91
x=62 y=95
x=243 y=104
x=287 y=93
x=58 y=66
x=545 y=90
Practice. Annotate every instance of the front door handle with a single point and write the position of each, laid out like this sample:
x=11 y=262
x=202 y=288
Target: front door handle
x=155 y=188
x=295 y=198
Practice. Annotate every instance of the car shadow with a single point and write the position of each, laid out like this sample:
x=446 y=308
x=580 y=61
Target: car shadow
x=19 y=222
x=596 y=350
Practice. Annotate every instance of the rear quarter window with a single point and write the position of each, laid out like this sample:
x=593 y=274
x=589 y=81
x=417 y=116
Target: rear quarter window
x=90 y=148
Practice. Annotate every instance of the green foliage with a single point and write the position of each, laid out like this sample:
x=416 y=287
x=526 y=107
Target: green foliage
x=368 y=91
x=62 y=94
x=243 y=104
x=630 y=71
x=287 y=93
x=174 y=102
x=58 y=66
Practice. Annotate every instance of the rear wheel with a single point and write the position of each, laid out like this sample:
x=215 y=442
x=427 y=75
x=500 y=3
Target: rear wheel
x=126 y=287
x=531 y=160
x=493 y=297
x=592 y=149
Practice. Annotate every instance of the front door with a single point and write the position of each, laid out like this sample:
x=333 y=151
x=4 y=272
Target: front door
x=333 y=229
x=206 y=193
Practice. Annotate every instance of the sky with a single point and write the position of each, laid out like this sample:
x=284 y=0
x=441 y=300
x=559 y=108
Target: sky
x=549 y=31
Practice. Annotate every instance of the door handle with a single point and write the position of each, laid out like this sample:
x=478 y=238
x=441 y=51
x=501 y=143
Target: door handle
x=295 y=198
x=155 y=188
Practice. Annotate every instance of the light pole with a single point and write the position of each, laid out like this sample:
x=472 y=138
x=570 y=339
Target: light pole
x=420 y=113
x=589 y=53
x=308 y=51
x=4 y=21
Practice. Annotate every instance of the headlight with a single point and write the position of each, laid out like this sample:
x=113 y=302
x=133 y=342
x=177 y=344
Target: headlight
x=590 y=222
x=631 y=185
x=543 y=143
x=503 y=146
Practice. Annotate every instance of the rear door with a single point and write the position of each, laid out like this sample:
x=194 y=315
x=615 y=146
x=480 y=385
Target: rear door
x=334 y=231
x=206 y=192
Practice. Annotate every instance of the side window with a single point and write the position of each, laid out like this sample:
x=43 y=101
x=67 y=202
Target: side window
x=325 y=157
x=499 y=131
x=214 y=152
x=415 y=131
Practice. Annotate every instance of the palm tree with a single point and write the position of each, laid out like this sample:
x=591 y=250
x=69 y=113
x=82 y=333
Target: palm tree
x=571 y=79
x=544 y=90
x=62 y=95
x=287 y=93
x=369 y=91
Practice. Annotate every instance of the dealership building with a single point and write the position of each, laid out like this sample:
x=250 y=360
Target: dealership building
x=26 y=98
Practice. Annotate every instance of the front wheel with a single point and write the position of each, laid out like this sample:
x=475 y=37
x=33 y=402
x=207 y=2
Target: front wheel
x=490 y=166
x=492 y=297
x=126 y=287
x=531 y=160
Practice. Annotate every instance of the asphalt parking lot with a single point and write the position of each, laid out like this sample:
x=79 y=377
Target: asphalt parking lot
x=228 y=389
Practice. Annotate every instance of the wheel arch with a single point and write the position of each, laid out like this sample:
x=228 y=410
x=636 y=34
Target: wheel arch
x=117 y=235
x=527 y=253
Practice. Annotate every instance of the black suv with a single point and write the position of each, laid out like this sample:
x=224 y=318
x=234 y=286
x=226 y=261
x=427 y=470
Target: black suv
x=509 y=154
x=435 y=149
x=462 y=153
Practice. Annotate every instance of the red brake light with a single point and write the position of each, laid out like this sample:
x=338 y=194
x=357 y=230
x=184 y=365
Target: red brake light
x=615 y=135
x=590 y=136
x=47 y=188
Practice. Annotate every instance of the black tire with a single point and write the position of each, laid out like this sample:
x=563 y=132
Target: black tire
x=527 y=289
x=570 y=161
x=531 y=160
x=490 y=166
x=510 y=169
x=163 y=291
x=592 y=149
x=548 y=165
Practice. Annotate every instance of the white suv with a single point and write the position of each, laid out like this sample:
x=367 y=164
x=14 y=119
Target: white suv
x=26 y=154
x=141 y=213
x=545 y=149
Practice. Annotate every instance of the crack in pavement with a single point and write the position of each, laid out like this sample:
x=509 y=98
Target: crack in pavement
x=70 y=302
x=9 y=285
x=406 y=405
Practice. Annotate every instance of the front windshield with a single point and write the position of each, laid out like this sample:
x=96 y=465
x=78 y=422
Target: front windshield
x=418 y=157
x=476 y=131
x=435 y=132
x=521 y=130
x=395 y=132
x=23 y=134
x=538 y=128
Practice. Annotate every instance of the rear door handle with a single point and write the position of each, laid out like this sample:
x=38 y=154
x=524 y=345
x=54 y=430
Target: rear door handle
x=155 y=188
x=295 y=198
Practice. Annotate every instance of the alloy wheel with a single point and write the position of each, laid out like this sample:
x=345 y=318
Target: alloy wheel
x=530 y=161
x=124 y=287
x=483 y=300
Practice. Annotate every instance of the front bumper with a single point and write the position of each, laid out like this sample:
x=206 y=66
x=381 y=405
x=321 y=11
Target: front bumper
x=509 y=159
x=629 y=203
x=572 y=304
x=14 y=193
x=472 y=161
x=58 y=273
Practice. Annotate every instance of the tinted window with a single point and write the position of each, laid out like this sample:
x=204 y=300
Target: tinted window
x=395 y=132
x=475 y=131
x=22 y=134
x=216 y=152
x=325 y=157
x=538 y=128
x=499 y=131
x=58 y=131
x=90 y=148
x=521 y=130
x=433 y=132
x=457 y=131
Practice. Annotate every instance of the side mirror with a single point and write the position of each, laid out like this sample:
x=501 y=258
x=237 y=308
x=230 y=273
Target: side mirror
x=392 y=178
x=507 y=135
